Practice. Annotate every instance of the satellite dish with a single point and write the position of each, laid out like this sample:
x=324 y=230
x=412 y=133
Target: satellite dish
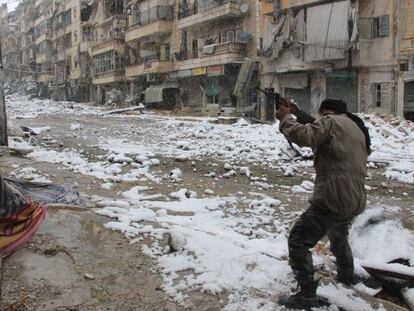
x=244 y=8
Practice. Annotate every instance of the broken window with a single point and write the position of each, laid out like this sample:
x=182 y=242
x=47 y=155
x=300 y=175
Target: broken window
x=86 y=12
x=380 y=26
x=381 y=94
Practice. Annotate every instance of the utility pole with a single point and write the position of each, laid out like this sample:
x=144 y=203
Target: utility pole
x=4 y=141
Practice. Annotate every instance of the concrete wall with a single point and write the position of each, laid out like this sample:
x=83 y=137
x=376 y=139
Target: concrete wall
x=379 y=51
x=407 y=27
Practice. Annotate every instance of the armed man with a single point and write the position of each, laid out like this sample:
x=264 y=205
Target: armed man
x=341 y=144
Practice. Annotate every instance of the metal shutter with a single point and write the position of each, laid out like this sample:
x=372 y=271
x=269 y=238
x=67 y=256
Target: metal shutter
x=301 y=96
x=343 y=86
x=409 y=97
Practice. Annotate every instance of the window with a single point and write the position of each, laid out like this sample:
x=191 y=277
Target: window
x=381 y=94
x=106 y=62
x=230 y=36
x=213 y=99
x=195 y=48
x=380 y=26
x=167 y=52
x=378 y=95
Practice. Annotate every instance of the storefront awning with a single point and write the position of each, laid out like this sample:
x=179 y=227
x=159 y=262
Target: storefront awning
x=153 y=94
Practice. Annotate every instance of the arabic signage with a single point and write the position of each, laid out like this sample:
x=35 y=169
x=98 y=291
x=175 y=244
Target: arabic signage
x=199 y=71
x=215 y=70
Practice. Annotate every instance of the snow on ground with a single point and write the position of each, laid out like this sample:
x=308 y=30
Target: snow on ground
x=240 y=142
x=215 y=246
x=107 y=170
x=22 y=107
x=219 y=246
x=235 y=244
x=29 y=173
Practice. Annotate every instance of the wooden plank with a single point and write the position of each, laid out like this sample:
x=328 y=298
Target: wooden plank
x=388 y=271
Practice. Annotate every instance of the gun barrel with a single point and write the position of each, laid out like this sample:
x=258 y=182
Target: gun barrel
x=301 y=115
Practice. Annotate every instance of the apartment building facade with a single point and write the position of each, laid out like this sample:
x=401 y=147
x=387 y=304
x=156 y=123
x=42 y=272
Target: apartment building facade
x=406 y=60
x=187 y=53
x=10 y=36
x=348 y=50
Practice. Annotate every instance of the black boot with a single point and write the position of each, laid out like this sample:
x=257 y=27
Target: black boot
x=304 y=299
x=347 y=277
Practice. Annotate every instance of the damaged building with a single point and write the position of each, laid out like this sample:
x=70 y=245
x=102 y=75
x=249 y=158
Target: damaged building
x=347 y=50
x=406 y=60
x=108 y=48
x=10 y=37
x=187 y=54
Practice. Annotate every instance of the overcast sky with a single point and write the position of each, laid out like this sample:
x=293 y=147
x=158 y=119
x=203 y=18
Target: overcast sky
x=11 y=4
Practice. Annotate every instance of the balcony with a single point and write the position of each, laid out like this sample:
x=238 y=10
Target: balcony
x=207 y=11
x=41 y=58
x=150 y=65
x=108 y=44
x=45 y=77
x=155 y=21
x=109 y=77
x=407 y=45
x=75 y=74
x=85 y=46
x=42 y=37
x=289 y=4
x=216 y=54
x=60 y=55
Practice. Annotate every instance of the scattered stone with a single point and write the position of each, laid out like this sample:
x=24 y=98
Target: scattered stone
x=228 y=167
x=155 y=162
x=176 y=241
x=232 y=173
x=88 y=276
x=245 y=171
x=140 y=159
x=176 y=175
x=211 y=174
x=182 y=158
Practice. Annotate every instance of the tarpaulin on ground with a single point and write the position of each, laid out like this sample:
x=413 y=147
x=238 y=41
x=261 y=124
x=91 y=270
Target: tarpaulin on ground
x=23 y=209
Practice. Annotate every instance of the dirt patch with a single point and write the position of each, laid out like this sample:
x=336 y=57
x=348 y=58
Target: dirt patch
x=74 y=263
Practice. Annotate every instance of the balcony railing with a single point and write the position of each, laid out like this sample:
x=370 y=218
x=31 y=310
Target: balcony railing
x=158 y=13
x=224 y=48
x=148 y=60
x=109 y=39
x=185 y=9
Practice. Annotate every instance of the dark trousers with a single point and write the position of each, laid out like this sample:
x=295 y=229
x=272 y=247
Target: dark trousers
x=312 y=226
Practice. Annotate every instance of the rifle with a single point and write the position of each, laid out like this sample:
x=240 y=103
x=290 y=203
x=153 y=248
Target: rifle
x=302 y=116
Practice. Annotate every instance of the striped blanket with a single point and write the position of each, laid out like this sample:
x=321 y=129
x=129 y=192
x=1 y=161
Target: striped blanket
x=20 y=218
x=16 y=230
x=22 y=209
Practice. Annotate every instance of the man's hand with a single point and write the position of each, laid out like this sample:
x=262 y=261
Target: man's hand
x=283 y=110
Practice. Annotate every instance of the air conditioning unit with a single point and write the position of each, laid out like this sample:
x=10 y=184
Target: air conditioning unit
x=411 y=63
x=152 y=77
